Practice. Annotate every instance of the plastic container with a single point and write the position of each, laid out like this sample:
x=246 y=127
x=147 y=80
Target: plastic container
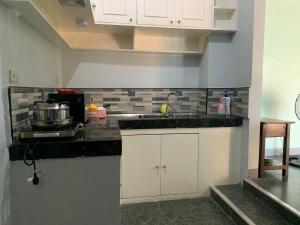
x=221 y=107
x=95 y=113
x=224 y=105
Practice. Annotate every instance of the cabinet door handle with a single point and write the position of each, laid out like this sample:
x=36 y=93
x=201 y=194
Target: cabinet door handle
x=164 y=167
x=171 y=22
x=157 y=167
x=130 y=19
x=179 y=21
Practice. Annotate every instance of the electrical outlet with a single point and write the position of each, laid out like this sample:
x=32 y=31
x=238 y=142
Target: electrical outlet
x=13 y=77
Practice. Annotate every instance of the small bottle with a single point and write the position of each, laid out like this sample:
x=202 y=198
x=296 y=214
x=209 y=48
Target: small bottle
x=226 y=102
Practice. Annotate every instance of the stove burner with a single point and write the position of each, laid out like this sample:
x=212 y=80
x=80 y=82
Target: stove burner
x=33 y=133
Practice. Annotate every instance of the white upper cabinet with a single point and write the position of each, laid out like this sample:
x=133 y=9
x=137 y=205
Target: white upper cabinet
x=175 y=13
x=156 y=12
x=194 y=13
x=114 y=11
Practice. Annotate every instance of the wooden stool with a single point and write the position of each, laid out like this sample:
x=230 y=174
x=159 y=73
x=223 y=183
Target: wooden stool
x=274 y=128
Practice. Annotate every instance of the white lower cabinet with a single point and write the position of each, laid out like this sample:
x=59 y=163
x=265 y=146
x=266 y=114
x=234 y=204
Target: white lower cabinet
x=154 y=165
x=179 y=159
x=140 y=166
x=167 y=164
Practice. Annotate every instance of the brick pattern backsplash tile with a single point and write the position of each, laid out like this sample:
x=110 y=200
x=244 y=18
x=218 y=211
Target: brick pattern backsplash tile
x=130 y=100
x=239 y=100
x=21 y=103
x=147 y=100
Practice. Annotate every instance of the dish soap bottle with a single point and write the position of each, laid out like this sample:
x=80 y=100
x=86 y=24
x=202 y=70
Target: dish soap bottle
x=224 y=105
x=227 y=102
x=221 y=107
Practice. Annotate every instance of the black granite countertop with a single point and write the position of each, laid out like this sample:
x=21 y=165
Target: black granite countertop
x=93 y=140
x=104 y=139
x=185 y=121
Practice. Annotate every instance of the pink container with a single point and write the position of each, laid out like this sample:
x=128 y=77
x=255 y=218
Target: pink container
x=100 y=114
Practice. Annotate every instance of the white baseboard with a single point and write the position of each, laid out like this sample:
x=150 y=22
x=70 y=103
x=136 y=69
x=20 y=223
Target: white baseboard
x=159 y=198
x=278 y=151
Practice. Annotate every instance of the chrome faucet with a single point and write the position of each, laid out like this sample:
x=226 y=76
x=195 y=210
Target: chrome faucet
x=168 y=105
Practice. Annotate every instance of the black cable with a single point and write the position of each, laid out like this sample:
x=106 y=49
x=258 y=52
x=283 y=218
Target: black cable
x=28 y=153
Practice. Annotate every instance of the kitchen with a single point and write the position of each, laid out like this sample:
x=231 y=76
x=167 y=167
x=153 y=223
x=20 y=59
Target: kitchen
x=150 y=148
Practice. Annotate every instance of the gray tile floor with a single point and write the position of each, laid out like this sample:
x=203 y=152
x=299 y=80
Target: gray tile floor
x=200 y=211
x=285 y=188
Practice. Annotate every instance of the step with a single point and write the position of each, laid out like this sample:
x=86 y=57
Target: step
x=245 y=207
x=285 y=210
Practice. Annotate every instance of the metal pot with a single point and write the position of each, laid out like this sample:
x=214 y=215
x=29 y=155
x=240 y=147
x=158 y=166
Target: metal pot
x=49 y=114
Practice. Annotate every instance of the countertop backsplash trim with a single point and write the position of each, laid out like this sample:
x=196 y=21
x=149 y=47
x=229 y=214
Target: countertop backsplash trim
x=130 y=100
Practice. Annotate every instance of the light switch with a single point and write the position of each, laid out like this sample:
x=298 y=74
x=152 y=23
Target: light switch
x=13 y=77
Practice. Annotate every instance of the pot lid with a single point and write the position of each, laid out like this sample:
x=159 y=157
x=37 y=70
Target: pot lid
x=50 y=105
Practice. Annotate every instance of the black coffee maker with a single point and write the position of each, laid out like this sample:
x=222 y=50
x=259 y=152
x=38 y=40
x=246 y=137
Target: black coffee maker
x=77 y=105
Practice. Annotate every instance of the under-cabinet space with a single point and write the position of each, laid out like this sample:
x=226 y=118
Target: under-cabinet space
x=99 y=41
x=169 y=40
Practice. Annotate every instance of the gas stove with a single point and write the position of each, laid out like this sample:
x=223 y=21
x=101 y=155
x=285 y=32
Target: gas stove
x=66 y=132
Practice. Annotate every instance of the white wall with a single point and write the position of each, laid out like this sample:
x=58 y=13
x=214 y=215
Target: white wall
x=227 y=59
x=255 y=93
x=123 y=70
x=281 y=80
x=77 y=191
x=36 y=62
x=3 y=157
x=33 y=58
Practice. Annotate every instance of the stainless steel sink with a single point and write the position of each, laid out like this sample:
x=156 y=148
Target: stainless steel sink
x=152 y=116
x=157 y=116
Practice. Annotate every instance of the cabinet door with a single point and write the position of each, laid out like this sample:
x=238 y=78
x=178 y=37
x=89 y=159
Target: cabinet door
x=114 y=11
x=156 y=12
x=140 y=166
x=219 y=157
x=194 y=13
x=179 y=164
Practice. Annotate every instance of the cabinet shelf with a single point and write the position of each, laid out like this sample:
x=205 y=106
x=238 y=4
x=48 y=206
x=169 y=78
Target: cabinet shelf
x=169 y=40
x=225 y=15
x=226 y=10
